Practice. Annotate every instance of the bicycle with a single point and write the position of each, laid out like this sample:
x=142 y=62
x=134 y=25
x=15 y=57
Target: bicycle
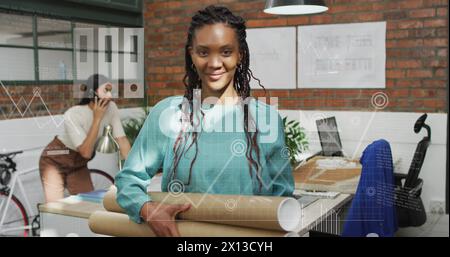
x=101 y=179
x=14 y=217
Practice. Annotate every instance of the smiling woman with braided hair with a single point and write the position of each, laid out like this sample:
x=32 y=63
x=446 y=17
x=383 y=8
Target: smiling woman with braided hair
x=215 y=139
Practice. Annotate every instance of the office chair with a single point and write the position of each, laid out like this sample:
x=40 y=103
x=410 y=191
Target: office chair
x=409 y=205
x=372 y=210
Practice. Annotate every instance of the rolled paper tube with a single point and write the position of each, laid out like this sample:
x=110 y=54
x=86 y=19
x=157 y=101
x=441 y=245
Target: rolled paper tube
x=118 y=224
x=263 y=212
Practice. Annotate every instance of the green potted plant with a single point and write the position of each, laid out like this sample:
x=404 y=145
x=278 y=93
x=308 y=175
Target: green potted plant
x=132 y=126
x=295 y=138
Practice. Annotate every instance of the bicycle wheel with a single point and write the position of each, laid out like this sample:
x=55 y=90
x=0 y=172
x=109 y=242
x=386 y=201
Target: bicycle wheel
x=16 y=218
x=101 y=179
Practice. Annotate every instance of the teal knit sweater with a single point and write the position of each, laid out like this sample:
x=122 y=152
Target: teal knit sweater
x=221 y=165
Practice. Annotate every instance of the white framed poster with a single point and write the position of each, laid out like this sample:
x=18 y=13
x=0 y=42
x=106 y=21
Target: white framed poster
x=342 y=55
x=273 y=57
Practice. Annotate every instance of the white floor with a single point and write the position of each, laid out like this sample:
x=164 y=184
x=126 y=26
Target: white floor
x=436 y=226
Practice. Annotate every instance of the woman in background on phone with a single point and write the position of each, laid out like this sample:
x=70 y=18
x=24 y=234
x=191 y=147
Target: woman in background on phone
x=63 y=163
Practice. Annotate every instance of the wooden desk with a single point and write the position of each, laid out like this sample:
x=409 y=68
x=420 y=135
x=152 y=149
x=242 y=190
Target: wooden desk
x=67 y=217
x=326 y=215
x=323 y=215
x=310 y=176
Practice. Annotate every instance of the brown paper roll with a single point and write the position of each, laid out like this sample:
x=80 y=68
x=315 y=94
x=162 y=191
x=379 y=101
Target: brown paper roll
x=118 y=224
x=263 y=212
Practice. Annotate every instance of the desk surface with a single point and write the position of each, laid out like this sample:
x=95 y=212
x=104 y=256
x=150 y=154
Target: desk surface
x=342 y=176
x=311 y=215
x=319 y=210
x=72 y=206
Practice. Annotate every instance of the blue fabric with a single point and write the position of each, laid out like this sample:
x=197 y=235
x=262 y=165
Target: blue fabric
x=373 y=211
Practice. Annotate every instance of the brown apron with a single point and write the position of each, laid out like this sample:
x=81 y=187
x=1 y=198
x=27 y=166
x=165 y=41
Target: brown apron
x=61 y=167
x=66 y=159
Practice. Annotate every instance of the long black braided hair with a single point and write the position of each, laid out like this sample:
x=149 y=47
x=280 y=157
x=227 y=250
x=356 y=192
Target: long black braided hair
x=209 y=16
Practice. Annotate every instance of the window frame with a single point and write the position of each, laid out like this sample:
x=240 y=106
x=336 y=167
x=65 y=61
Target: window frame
x=37 y=80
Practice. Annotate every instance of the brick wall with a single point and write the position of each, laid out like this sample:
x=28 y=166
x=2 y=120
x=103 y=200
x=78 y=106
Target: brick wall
x=417 y=51
x=417 y=57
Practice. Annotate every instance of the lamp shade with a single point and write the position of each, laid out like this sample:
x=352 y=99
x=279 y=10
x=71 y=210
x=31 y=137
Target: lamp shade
x=106 y=143
x=295 y=7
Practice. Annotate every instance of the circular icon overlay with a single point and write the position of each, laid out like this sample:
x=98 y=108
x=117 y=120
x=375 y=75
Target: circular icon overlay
x=238 y=147
x=370 y=191
x=230 y=205
x=175 y=188
x=380 y=100
x=285 y=153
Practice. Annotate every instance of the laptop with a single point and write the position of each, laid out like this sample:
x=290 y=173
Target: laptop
x=329 y=137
